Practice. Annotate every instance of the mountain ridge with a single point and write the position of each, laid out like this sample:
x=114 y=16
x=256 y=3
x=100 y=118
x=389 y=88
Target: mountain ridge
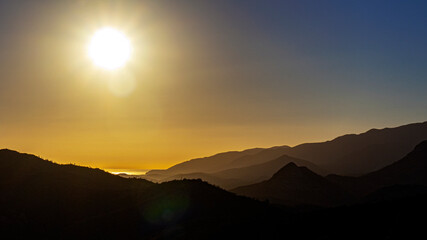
x=409 y=170
x=223 y=157
x=52 y=201
x=349 y=154
x=43 y=199
x=293 y=185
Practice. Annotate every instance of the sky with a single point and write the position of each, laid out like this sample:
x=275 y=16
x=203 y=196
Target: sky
x=206 y=76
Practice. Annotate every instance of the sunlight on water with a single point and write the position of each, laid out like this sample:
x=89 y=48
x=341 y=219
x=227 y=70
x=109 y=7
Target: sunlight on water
x=127 y=171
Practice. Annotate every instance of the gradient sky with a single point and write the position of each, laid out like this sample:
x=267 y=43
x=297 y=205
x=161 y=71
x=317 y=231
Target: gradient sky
x=206 y=76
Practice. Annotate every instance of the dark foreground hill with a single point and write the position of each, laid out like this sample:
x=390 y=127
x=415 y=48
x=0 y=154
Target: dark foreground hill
x=41 y=199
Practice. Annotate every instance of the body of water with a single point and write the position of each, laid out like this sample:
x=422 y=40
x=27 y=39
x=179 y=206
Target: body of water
x=127 y=171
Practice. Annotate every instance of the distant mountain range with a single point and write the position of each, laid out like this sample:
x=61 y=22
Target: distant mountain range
x=349 y=155
x=210 y=164
x=293 y=185
x=355 y=155
x=235 y=177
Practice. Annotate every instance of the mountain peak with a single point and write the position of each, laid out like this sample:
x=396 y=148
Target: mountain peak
x=290 y=167
x=291 y=170
x=293 y=185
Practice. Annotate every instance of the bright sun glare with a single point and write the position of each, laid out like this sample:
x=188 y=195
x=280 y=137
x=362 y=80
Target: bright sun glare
x=109 y=48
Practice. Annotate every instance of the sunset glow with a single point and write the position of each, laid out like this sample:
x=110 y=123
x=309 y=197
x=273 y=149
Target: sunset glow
x=149 y=84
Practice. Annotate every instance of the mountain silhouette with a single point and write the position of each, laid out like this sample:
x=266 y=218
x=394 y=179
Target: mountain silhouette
x=261 y=157
x=42 y=199
x=363 y=153
x=223 y=182
x=260 y=172
x=210 y=164
x=410 y=170
x=235 y=177
x=236 y=168
x=350 y=155
x=293 y=185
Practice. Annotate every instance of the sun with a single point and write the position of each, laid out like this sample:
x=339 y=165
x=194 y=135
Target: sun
x=109 y=48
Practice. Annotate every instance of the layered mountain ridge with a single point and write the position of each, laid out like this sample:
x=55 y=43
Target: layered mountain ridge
x=293 y=185
x=348 y=155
